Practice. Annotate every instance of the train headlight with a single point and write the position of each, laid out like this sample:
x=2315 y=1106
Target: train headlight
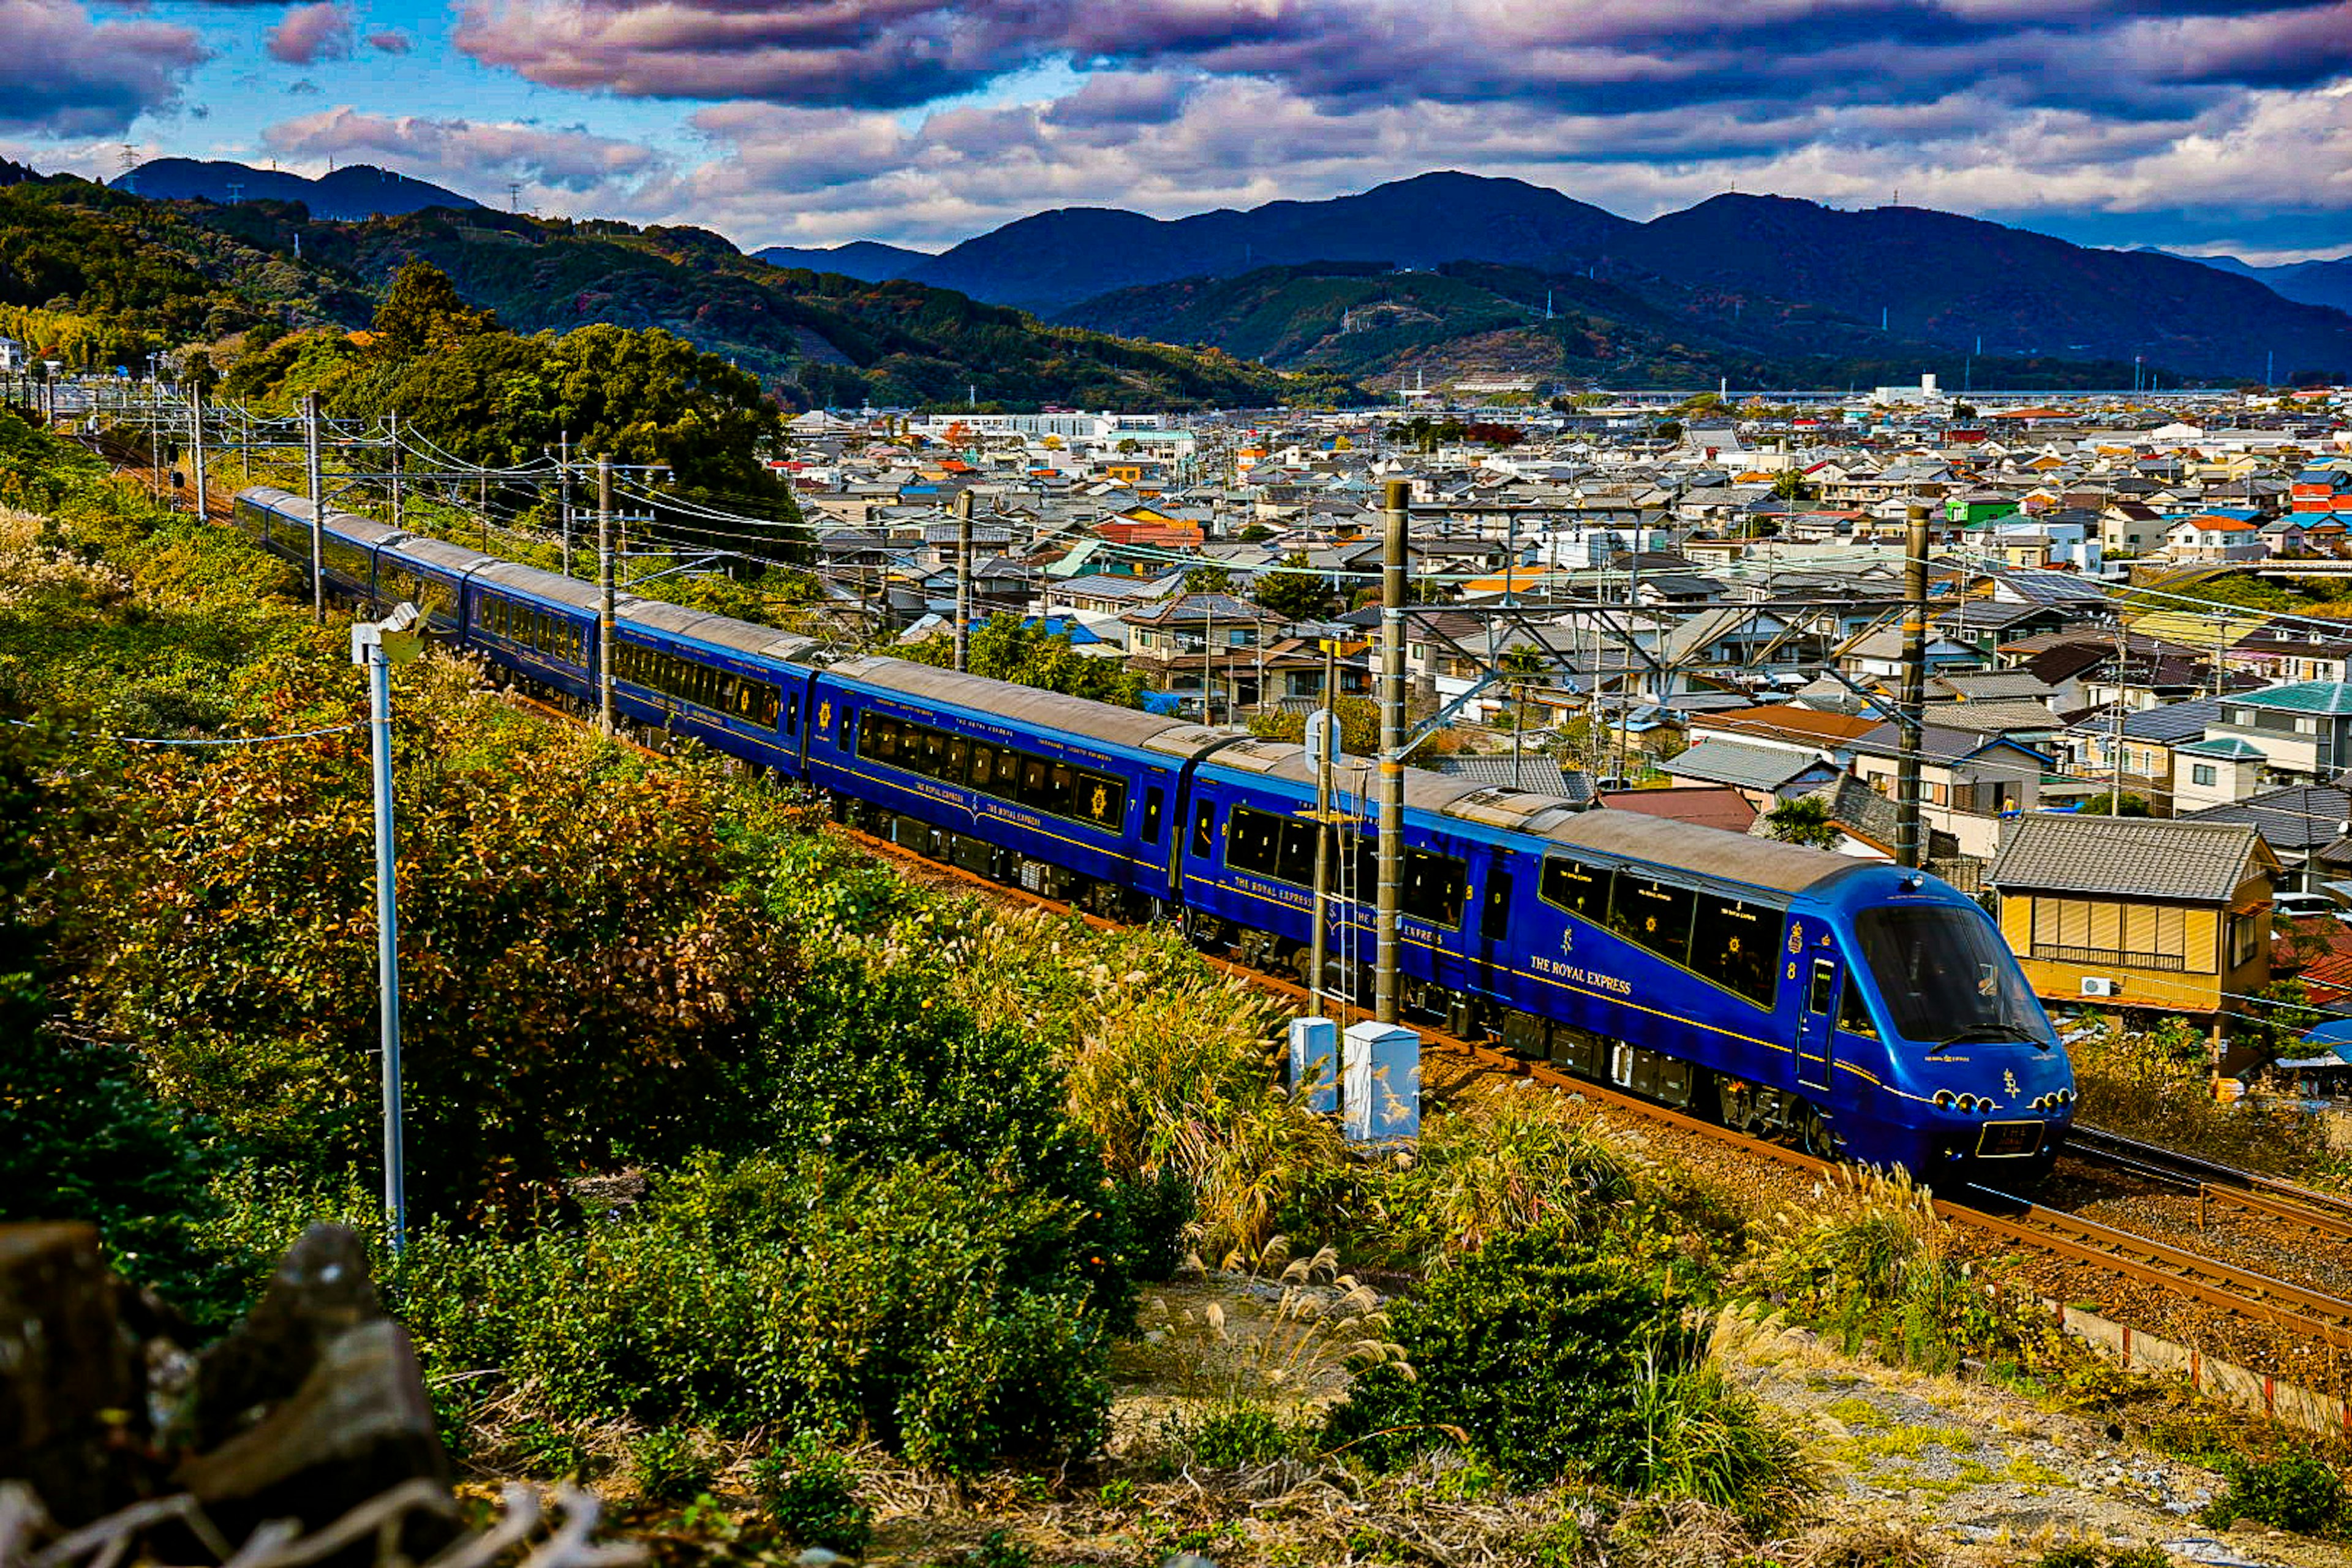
x=1944 y=1099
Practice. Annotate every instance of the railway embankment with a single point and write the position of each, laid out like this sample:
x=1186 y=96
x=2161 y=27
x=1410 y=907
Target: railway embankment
x=951 y=1236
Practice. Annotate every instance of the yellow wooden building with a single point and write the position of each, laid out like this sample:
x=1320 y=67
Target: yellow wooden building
x=2167 y=916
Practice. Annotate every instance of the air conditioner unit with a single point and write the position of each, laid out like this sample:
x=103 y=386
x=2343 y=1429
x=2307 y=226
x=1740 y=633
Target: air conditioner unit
x=2097 y=985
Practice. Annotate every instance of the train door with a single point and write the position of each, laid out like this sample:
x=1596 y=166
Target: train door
x=1817 y=1021
x=1491 y=955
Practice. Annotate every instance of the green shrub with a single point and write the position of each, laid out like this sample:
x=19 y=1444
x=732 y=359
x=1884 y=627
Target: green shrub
x=1238 y=1437
x=670 y=1464
x=934 y=1307
x=549 y=1452
x=1529 y=1351
x=1868 y=1258
x=2296 y=1491
x=809 y=1493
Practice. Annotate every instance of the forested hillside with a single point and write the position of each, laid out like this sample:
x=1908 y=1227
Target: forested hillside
x=1384 y=327
x=154 y=274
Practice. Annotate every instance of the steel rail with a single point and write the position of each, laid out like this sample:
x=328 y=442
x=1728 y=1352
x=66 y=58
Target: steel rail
x=2324 y=1214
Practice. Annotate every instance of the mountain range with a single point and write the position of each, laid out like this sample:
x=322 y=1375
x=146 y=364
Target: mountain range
x=124 y=273
x=2324 y=282
x=354 y=192
x=1959 y=285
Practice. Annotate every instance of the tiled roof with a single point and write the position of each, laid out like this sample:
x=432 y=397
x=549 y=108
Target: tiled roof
x=1532 y=772
x=2123 y=857
x=1748 y=767
x=1938 y=743
x=2302 y=818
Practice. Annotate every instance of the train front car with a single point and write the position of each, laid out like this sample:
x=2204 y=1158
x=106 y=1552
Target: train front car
x=1944 y=1061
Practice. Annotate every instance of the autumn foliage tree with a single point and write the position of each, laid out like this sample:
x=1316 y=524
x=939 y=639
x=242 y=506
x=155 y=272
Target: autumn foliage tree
x=581 y=981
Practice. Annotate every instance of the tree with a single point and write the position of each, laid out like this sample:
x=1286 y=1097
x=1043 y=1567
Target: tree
x=1790 y=485
x=2108 y=803
x=583 y=979
x=1293 y=591
x=1209 y=577
x=81 y=1136
x=1806 y=820
x=424 y=311
x=1007 y=647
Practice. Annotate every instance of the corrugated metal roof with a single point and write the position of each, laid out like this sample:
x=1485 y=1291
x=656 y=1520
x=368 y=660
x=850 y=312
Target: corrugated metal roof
x=1751 y=767
x=2330 y=697
x=2124 y=857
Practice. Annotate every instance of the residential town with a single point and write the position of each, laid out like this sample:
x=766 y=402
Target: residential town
x=2137 y=723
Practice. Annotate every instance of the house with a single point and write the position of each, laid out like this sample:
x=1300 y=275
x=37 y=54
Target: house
x=1967 y=781
x=1865 y=820
x=1879 y=655
x=2305 y=729
x=2214 y=536
x=2137 y=912
x=1706 y=806
x=14 y=358
x=1809 y=732
x=1764 y=775
x=2298 y=822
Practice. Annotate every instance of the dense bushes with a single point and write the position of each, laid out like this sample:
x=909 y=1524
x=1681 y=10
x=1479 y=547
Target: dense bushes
x=932 y=1305
x=1552 y=1361
x=2296 y=1491
x=1869 y=1258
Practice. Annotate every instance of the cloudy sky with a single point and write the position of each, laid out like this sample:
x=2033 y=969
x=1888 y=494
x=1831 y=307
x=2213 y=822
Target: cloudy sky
x=2197 y=125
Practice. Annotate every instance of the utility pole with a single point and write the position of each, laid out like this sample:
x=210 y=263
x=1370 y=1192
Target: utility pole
x=564 y=499
x=1907 y=835
x=963 y=582
x=2116 y=723
x=604 y=593
x=376 y=646
x=196 y=423
x=395 y=467
x=483 y=492
x=318 y=505
x=1324 y=747
x=1391 y=815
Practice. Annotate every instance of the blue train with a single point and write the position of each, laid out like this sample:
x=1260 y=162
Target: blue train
x=1850 y=1006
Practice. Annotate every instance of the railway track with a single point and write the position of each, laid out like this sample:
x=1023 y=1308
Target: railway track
x=2015 y=1221
x=2216 y=1184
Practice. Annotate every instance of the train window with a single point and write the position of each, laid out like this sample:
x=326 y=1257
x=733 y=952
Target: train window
x=1822 y=992
x=1204 y=829
x=1736 y=945
x=792 y=714
x=1652 y=914
x=1152 y=807
x=1854 y=1013
x=1495 y=924
x=957 y=767
x=1436 y=887
x=1578 y=890
x=1062 y=790
x=1253 y=841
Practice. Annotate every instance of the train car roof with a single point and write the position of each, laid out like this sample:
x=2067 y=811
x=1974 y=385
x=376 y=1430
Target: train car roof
x=719 y=631
x=1702 y=851
x=1468 y=799
x=366 y=530
x=1108 y=722
x=541 y=584
x=454 y=559
x=269 y=495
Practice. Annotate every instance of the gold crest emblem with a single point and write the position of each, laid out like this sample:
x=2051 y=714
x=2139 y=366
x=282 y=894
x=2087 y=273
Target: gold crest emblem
x=824 y=715
x=2009 y=1080
x=1796 y=937
x=1099 y=802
